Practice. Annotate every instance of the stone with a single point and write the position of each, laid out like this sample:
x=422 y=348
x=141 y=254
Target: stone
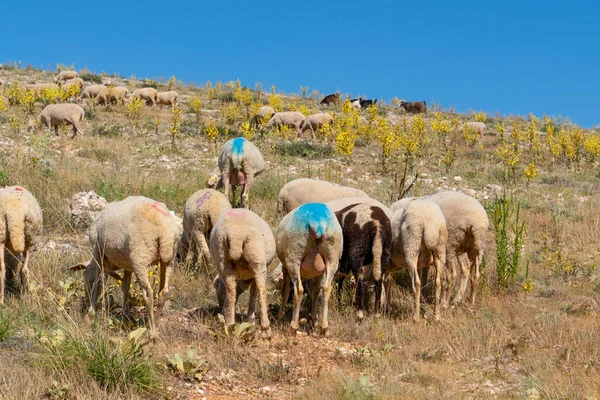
x=85 y=207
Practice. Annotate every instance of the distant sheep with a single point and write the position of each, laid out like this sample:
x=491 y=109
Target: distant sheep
x=309 y=245
x=64 y=76
x=367 y=103
x=242 y=246
x=367 y=242
x=54 y=115
x=167 y=98
x=419 y=234
x=240 y=162
x=148 y=95
x=201 y=212
x=479 y=127
x=132 y=235
x=73 y=82
x=39 y=87
x=467 y=224
x=292 y=119
x=21 y=224
x=264 y=114
x=414 y=107
x=331 y=99
x=97 y=93
x=304 y=190
x=117 y=94
x=315 y=122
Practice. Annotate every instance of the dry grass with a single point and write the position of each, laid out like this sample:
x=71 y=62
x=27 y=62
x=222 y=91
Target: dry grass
x=513 y=345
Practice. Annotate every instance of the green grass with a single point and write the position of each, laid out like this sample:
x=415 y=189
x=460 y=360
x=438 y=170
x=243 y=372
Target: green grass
x=7 y=325
x=304 y=150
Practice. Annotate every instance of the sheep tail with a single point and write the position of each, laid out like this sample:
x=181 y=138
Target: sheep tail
x=236 y=246
x=236 y=161
x=166 y=247
x=15 y=222
x=377 y=252
x=430 y=236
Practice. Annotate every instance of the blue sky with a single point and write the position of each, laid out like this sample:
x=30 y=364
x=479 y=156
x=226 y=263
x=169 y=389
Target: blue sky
x=509 y=56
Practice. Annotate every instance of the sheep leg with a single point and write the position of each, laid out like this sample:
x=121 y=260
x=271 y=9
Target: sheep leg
x=56 y=130
x=245 y=192
x=412 y=262
x=450 y=278
x=24 y=274
x=125 y=285
x=225 y=182
x=93 y=283
x=285 y=292
x=298 y=293
x=328 y=277
x=148 y=293
x=438 y=283
x=252 y=302
x=387 y=292
x=202 y=251
x=260 y=282
x=359 y=296
x=230 y=290
x=315 y=289
x=163 y=289
x=475 y=259
x=464 y=279
x=2 y=273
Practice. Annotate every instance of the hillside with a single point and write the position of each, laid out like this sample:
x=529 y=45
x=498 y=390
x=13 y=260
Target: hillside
x=535 y=338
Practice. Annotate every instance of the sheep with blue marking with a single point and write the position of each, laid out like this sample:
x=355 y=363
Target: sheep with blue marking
x=309 y=246
x=242 y=246
x=240 y=162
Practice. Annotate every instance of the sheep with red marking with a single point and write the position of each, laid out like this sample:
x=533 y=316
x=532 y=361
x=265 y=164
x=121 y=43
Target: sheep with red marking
x=132 y=235
x=21 y=224
x=367 y=243
x=309 y=246
x=242 y=246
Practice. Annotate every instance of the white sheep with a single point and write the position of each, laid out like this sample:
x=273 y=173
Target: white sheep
x=53 y=115
x=63 y=76
x=419 y=234
x=292 y=119
x=117 y=94
x=467 y=224
x=149 y=95
x=39 y=87
x=240 y=162
x=167 y=98
x=242 y=246
x=21 y=224
x=479 y=127
x=97 y=93
x=304 y=190
x=309 y=246
x=73 y=82
x=315 y=122
x=201 y=212
x=367 y=243
x=264 y=114
x=132 y=235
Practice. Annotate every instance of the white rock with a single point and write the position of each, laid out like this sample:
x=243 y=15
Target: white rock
x=85 y=207
x=457 y=179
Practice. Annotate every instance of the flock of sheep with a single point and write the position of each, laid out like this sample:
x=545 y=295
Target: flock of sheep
x=327 y=232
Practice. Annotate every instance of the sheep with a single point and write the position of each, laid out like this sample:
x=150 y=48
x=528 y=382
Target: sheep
x=39 y=87
x=479 y=127
x=315 y=122
x=149 y=95
x=264 y=114
x=1 y=82
x=467 y=223
x=242 y=246
x=117 y=94
x=53 y=115
x=73 y=82
x=331 y=99
x=309 y=245
x=419 y=233
x=64 y=76
x=367 y=235
x=240 y=162
x=355 y=103
x=21 y=224
x=201 y=212
x=132 y=234
x=304 y=190
x=414 y=107
x=97 y=93
x=167 y=98
x=293 y=119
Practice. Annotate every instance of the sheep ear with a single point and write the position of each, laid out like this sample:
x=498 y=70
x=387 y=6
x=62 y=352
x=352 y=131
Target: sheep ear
x=78 y=267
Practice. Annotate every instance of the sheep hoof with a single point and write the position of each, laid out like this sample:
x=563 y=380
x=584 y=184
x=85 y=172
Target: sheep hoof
x=325 y=332
x=360 y=314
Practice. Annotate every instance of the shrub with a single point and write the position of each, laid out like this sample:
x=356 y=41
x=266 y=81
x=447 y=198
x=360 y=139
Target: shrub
x=304 y=150
x=7 y=325
x=90 y=77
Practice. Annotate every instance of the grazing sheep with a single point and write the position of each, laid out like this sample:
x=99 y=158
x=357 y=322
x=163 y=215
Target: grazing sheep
x=132 y=235
x=167 y=98
x=293 y=119
x=419 y=234
x=303 y=190
x=64 y=76
x=21 y=224
x=414 y=107
x=367 y=241
x=39 y=87
x=331 y=99
x=97 y=93
x=242 y=246
x=53 y=115
x=117 y=94
x=467 y=224
x=240 y=162
x=264 y=114
x=309 y=246
x=149 y=95
x=201 y=212
x=315 y=122
x=479 y=127
x=73 y=82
